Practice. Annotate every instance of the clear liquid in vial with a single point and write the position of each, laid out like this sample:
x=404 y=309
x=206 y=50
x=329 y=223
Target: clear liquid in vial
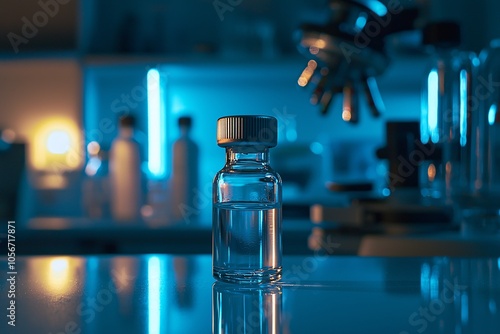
x=247 y=242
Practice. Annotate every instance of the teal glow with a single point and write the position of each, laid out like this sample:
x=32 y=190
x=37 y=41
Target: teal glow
x=316 y=148
x=360 y=22
x=157 y=148
x=154 y=303
x=291 y=135
x=92 y=284
x=465 y=309
x=432 y=105
x=425 y=274
x=377 y=98
x=434 y=283
x=376 y=6
x=463 y=107
x=492 y=114
x=492 y=305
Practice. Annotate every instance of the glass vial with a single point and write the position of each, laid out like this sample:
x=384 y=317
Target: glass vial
x=246 y=244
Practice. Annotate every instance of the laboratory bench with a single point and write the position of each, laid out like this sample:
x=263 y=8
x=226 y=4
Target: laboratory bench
x=77 y=236
x=162 y=293
x=83 y=236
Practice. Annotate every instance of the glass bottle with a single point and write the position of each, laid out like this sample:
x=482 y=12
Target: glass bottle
x=486 y=127
x=184 y=174
x=246 y=245
x=125 y=173
x=446 y=109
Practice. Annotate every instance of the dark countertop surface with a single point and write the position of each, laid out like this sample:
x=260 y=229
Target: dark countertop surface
x=81 y=236
x=318 y=294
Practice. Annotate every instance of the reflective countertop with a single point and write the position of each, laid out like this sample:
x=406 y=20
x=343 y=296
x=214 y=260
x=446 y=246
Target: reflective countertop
x=318 y=294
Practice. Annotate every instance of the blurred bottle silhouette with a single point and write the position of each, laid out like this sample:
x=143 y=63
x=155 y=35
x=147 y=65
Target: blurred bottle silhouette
x=125 y=173
x=481 y=213
x=184 y=180
x=446 y=112
x=251 y=310
x=486 y=172
x=95 y=187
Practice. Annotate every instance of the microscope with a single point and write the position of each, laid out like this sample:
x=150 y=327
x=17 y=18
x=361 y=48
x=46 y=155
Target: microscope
x=345 y=56
x=348 y=52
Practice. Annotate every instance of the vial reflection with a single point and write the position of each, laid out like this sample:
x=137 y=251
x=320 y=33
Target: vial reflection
x=246 y=309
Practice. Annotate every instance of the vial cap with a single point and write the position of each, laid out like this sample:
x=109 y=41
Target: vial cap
x=185 y=121
x=246 y=130
x=127 y=121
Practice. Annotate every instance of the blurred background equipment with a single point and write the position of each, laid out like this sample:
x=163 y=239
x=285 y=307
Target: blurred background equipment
x=447 y=98
x=65 y=82
x=126 y=178
x=184 y=182
x=12 y=174
x=348 y=52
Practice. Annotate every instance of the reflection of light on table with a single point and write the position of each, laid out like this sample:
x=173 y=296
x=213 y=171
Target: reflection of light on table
x=49 y=223
x=154 y=280
x=425 y=273
x=274 y=314
x=124 y=275
x=464 y=314
x=58 y=274
x=59 y=266
x=124 y=271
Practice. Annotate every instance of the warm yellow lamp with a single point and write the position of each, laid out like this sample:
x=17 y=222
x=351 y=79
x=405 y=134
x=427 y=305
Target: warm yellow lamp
x=56 y=146
x=55 y=149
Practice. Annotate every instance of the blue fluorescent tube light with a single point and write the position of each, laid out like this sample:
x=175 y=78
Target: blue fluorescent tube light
x=157 y=148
